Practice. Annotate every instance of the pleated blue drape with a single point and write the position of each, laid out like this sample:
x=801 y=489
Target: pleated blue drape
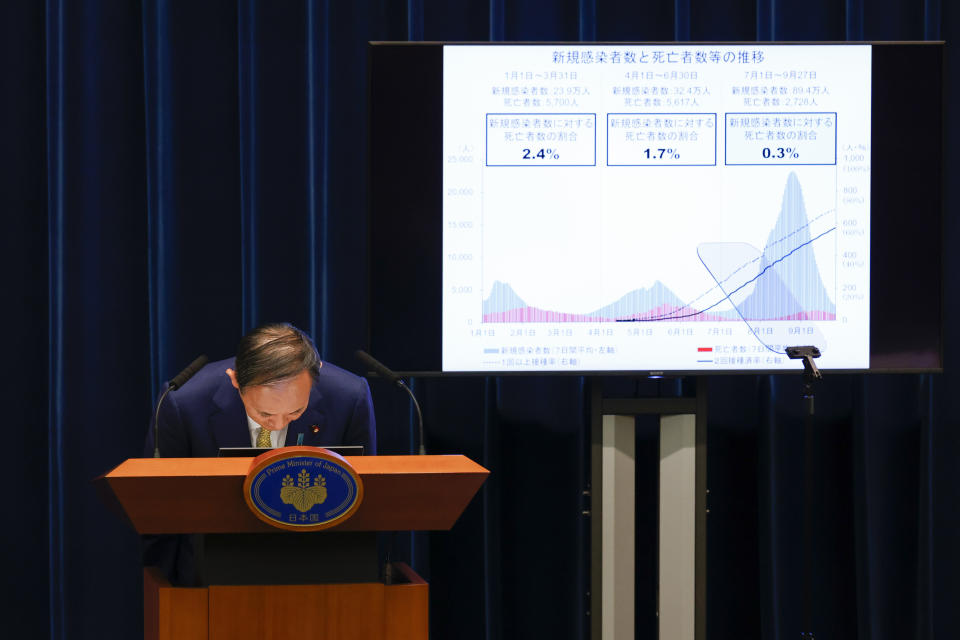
x=174 y=173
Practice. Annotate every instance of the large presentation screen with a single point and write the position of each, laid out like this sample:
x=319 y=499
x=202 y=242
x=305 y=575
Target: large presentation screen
x=655 y=207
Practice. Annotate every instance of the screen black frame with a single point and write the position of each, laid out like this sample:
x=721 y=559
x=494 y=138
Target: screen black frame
x=405 y=214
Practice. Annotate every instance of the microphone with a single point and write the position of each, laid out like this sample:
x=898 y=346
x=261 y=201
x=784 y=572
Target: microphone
x=178 y=381
x=379 y=367
x=182 y=377
x=388 y=375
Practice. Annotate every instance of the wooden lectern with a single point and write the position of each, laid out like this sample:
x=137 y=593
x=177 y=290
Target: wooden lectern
x=308 y=585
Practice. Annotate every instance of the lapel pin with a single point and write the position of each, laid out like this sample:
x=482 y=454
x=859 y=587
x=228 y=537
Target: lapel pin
x=315 y=428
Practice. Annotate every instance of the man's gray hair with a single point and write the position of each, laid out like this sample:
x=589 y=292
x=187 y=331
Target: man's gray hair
x=275 y=352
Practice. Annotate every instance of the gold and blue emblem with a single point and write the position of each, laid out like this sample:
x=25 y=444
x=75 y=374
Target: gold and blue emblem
x=302 y=488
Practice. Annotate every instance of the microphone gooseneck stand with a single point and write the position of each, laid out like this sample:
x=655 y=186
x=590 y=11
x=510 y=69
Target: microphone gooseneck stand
x=384 y=372
x=178 y=381
x=391 y=377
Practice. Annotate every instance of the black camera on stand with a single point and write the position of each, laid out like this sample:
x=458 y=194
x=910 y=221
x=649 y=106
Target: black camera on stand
x=810 y=375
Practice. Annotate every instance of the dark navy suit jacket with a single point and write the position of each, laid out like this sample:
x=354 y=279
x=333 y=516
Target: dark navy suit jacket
x=207 y=414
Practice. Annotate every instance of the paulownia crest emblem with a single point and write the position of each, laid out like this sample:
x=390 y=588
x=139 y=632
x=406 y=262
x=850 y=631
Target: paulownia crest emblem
x=305 y=494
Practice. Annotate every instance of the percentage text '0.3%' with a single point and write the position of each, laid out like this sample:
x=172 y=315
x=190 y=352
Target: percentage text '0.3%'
x=780 y=153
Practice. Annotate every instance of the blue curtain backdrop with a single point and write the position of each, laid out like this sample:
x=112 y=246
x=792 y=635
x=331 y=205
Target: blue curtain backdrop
x=173 y=173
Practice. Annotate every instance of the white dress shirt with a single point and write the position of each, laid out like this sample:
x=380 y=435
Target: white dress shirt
x=277 y=438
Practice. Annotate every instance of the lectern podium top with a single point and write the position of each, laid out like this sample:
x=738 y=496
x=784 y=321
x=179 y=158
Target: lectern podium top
x=205 y=495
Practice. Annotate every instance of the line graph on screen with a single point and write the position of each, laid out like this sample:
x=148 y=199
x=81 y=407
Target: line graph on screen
x=779 y=282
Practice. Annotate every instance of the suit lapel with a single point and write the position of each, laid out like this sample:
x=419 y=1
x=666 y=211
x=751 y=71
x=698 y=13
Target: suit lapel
x=311 y=424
